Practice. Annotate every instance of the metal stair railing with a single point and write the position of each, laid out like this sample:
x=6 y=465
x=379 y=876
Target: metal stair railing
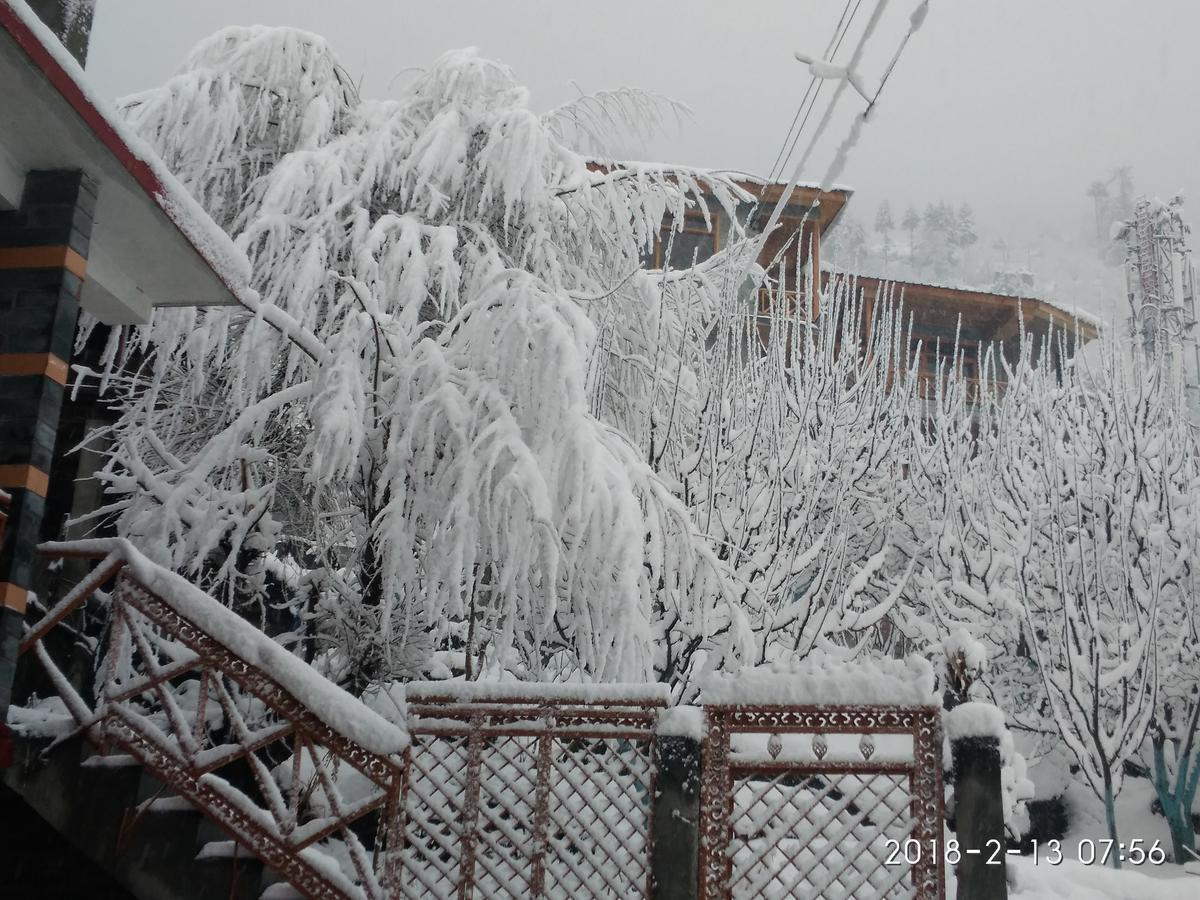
x=191 y=690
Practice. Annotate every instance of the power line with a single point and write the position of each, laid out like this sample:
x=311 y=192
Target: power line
x=777 y=211
x=916 y=19
x=813 y=82
x=830 y=55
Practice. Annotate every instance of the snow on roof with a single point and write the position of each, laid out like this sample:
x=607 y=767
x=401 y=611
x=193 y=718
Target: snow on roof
x=811 y=185
x=1073 y=312
x=699 y=172
x=120 y=152
x=821 y=679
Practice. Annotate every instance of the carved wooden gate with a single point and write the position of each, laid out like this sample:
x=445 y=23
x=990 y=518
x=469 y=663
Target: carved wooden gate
x=516 y=791
x=822 y=801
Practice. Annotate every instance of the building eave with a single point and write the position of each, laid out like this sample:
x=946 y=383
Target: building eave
x=151 y=244
x=1032 y=307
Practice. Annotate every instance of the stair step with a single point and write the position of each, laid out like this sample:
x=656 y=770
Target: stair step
x=221 y=874
x=110 y=761
x=281 y=890
x=121 y=817
x=222 y=850
x=171 y=804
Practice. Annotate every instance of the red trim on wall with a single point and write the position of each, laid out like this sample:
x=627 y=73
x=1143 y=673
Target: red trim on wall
x=67 y=86
x=45 y=60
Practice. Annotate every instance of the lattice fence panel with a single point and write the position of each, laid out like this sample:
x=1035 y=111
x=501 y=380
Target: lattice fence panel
x=820 y=836
x=434 y=793
x=600 y=806
x=517 y=798
x=504 y=834
x=796 y=824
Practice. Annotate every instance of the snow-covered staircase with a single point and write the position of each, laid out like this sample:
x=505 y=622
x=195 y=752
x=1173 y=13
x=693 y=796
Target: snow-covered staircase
x=207 y=761
x=117 y=816
x=208 y=752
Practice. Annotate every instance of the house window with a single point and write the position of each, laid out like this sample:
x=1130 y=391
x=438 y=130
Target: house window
x=695 y=243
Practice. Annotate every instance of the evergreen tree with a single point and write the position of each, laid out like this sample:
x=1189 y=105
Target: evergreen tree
x=910 y=223
x=1098 y=191
x=937 y=253
x=848 y=243
x=964 y=233
x=884 y=225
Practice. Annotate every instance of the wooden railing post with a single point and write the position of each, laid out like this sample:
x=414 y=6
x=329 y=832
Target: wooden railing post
x=979 y=819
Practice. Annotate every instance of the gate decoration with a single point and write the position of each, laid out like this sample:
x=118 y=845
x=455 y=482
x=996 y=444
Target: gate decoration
x=529 y=790
x=798 y=821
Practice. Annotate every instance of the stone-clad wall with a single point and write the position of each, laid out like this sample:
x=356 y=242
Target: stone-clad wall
x=43 y=261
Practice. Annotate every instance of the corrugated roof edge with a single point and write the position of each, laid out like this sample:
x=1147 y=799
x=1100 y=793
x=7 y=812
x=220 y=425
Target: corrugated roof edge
x=1074 y=312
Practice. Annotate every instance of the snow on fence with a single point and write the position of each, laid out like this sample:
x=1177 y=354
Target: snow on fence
x=818 y=780
x=491 y=790
x=822 y=779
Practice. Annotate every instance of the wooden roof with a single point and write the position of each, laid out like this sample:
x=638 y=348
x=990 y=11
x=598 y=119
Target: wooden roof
x=994 y=316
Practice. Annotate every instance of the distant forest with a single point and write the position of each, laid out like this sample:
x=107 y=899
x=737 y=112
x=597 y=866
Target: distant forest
x=944 y=243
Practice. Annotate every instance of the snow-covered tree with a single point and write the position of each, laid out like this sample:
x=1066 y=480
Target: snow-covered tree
x=1095 y=485
x=409 y=412
x=910 y=223
x=937 y=250
x=884 y=224
x=1175 y=730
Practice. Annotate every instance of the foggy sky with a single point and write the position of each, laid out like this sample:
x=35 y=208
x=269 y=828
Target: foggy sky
x=1012 y=105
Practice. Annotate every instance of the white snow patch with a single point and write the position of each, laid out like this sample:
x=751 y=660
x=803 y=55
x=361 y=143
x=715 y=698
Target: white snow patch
x=824 y=680
x=973 y=652
x=484 y=691
x=47 y=717
x=1070 y=880
x=113 y=761
x=281 y=890
x=682 y=721
x=975 y=720
x=222 y=850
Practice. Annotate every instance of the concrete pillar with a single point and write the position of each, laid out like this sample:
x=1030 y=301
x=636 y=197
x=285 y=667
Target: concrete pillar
x=676 y=840
x=979 y=819
x=43 y=261
x=71 y=22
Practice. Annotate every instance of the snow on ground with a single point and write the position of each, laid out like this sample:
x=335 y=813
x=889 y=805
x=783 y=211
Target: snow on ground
x=1085 y=813
x=41 y=718
x=1071 y=880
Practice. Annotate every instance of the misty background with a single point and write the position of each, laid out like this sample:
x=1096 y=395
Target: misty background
x=1012 y=108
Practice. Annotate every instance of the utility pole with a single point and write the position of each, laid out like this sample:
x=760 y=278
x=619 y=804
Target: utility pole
x=1160 y=283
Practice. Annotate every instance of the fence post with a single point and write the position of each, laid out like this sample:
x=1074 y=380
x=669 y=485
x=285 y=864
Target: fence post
x=979 y=819
x=675 y=846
